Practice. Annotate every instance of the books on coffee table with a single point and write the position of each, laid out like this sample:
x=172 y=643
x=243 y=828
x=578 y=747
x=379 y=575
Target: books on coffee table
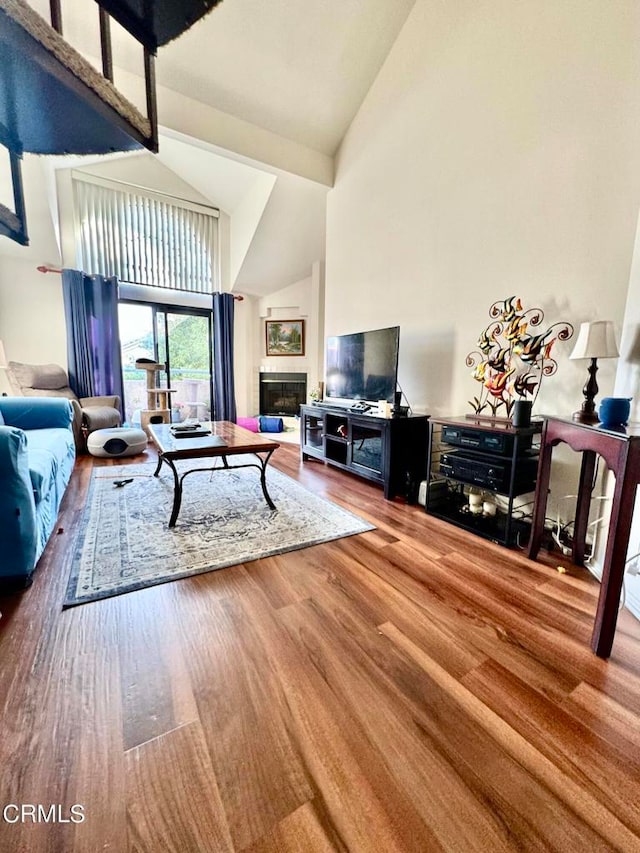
x=186 y=426
x=189 y=429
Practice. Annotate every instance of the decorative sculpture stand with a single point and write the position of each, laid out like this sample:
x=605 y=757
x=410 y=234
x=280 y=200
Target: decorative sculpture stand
x=158 y=409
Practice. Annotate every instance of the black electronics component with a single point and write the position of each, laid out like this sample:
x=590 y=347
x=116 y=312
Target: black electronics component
x=490 y=474
x=484 y=441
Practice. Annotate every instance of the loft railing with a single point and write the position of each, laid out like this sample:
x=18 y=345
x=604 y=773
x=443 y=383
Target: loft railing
x=52 y=101
x=42 y=77
x=13 y=223
x=106 y=56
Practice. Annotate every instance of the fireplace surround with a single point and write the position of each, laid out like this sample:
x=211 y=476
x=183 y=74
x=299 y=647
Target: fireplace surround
x=282 y=393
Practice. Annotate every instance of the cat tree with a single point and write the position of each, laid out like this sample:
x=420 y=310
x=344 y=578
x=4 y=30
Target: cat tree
x=158 y=409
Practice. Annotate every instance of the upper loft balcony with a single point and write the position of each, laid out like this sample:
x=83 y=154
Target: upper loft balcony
x=54 y=101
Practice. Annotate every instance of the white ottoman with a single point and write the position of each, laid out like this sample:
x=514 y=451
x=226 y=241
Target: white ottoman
x=119 y=441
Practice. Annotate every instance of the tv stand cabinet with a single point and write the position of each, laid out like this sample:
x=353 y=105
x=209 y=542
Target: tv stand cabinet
x=389 y=451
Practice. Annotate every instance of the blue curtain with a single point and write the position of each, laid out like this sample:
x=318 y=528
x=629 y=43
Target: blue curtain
x=224 y=396
x=93 y=339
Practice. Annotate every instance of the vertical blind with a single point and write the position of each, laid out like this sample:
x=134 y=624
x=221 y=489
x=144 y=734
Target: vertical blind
x=144 y=238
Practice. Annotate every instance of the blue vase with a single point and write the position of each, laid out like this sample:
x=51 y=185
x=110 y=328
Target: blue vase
x=614 y=411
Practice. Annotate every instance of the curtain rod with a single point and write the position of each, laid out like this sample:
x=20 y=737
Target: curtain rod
x=238 y=297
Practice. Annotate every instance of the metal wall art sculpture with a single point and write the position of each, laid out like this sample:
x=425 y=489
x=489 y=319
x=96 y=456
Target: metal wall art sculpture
x=514 y=356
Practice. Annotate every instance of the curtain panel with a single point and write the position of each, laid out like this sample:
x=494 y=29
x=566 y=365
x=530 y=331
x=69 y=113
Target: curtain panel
x=224 y=396
x=93 y=339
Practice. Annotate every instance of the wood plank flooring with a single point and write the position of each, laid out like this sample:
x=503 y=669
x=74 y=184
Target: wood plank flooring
x=412 y=688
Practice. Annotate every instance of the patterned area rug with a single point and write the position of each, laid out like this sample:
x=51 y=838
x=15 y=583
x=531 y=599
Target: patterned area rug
x=125 y=542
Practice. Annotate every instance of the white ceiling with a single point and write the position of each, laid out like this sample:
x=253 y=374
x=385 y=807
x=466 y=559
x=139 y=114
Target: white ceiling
x=297 y=68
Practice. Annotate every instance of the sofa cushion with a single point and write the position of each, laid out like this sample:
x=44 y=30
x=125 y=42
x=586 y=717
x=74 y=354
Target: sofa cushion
x=43 y=413
x=40 y=380
x=101 y=417
x=67 y=393
x=43 y=467
x=1 y=420
x=18 y=537
x=46 y=449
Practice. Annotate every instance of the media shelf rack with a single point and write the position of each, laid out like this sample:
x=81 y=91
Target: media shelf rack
x=490 y=457
x=389 y=451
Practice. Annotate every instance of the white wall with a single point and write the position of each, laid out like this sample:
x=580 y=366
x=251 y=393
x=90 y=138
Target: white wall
x=32 y=324
x=628 y=373
x=496 y=154
x=31 y=309
x=245 y=346
x=628 y=385
x=303 y=300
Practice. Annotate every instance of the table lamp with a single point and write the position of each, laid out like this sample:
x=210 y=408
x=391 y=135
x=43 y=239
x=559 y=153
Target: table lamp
x=595 y=340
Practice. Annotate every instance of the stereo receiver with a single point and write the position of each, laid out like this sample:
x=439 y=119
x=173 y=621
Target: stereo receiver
x=494 y=475
x=484 y=441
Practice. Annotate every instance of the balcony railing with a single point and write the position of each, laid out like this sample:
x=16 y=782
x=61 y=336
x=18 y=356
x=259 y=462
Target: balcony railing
x=192 y=397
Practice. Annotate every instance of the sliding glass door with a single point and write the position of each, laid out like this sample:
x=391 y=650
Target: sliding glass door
x=137 y=340
x=180 y=338
x=184 y=344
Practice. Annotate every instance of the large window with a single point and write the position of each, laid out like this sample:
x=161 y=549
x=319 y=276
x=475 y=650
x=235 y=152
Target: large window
x=145 y=237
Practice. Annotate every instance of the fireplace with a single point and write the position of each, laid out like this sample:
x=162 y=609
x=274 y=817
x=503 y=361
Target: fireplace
x=282 y=393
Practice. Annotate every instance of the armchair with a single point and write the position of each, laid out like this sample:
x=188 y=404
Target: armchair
x=50 y=380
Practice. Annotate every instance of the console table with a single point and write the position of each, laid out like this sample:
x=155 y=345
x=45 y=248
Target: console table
x=620 y=449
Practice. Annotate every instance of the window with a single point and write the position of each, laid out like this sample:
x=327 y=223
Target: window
x=145 y=237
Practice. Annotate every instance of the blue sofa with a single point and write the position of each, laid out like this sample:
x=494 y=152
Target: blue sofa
x=37 y=454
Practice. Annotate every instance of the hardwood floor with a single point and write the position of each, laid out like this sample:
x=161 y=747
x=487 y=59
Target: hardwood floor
x=412 y=688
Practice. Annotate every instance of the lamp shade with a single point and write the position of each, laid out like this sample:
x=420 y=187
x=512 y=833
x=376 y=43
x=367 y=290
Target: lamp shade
x=3 y=357
x=596 y=340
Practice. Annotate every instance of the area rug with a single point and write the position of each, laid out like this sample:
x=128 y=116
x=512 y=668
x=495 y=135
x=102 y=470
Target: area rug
x=125 y=542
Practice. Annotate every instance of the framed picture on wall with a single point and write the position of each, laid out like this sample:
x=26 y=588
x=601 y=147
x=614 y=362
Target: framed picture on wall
x=285 y=337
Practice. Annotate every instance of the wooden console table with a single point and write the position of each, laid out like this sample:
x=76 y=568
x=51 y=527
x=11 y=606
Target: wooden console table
x=620 y=450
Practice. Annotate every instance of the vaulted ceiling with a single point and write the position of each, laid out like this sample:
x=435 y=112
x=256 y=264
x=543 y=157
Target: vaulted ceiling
x=298 y=70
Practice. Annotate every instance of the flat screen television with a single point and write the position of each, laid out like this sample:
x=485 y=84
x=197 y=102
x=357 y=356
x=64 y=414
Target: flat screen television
x=362 y=366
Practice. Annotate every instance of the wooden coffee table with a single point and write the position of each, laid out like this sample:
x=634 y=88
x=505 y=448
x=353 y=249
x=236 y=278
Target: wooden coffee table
x=224 y=439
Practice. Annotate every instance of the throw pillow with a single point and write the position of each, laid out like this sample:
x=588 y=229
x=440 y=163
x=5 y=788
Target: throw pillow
x=252 y=424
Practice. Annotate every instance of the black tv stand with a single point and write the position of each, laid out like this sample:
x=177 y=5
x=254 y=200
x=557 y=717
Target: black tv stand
x=389 y=451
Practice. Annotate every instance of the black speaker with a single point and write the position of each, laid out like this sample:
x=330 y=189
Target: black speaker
x=521 y=416
x=399 y=411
